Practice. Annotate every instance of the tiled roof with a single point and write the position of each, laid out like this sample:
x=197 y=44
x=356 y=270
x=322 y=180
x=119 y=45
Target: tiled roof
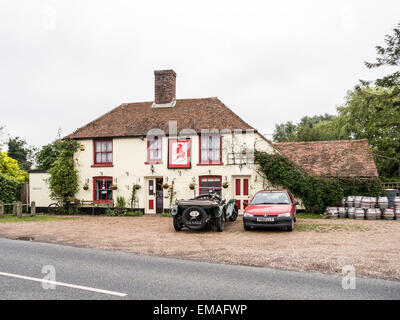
x=136 y=119
x=343 y=158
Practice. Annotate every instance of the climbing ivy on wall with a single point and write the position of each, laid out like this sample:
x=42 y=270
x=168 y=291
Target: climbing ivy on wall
x=316 y=192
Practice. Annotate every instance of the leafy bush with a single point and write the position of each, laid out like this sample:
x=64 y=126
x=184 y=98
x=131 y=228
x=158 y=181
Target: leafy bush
x=133 y=213
x=63 y=181
x=8 y=190
x=316 y=192
x=120 y=202
x=110 y=212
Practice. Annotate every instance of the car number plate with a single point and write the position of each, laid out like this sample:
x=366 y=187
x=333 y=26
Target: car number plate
x=265 y=219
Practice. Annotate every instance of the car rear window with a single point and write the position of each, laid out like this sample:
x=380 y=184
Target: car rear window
x=271 y=198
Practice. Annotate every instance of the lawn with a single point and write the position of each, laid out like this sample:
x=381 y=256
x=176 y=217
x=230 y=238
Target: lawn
x=37 y=218
x=309 y=215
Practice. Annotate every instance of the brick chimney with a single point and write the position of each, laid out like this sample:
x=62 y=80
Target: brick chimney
x=165 y=86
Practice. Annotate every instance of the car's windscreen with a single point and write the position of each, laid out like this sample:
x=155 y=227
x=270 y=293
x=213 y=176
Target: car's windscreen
x=271 y=198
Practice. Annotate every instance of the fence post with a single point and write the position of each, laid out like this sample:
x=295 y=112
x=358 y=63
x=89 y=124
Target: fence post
x=1 y=209
x=14 y=208
x=19 y=209
x=33 y=208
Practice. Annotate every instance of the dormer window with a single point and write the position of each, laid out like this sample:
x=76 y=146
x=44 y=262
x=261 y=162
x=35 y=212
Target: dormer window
x=154 y=150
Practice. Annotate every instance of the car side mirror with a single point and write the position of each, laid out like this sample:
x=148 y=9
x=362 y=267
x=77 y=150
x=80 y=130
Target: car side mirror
x=296 y=203
x=245 y=204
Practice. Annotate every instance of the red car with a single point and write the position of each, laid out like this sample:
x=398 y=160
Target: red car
x=270 y=208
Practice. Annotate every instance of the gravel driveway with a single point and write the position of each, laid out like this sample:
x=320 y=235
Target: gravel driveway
x=372 y=247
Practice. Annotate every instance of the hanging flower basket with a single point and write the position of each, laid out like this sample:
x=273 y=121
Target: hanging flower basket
x=165 y=186
x=114 y=187
x=225 y=185
x=85 y=187
x=192 y=186
x=137 y=186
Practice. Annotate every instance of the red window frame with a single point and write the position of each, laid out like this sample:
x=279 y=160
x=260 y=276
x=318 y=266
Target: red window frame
x=104 y=201
x=207 y=162
x=159 y=149
x=202 y=178
x=95 y=152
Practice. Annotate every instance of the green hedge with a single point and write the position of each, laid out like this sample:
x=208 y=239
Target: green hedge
x=317 y=193
x=8 y=189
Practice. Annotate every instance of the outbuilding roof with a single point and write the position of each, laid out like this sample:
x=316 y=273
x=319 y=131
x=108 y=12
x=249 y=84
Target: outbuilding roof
x=342 y=158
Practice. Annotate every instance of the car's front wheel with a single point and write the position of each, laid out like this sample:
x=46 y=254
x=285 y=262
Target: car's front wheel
x=177 y=225
x=291 y=226
x=219 y=223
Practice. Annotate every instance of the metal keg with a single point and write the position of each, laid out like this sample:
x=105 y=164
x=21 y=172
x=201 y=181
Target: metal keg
x=359 y=214
x=365 y=202
x=351 y=213
x=370 y=214
x=350 y=201
x=383 y=202
x=342 y=212
x=332 y=212
x=378 y=213
x=396 y=202
x=357 y=201
x=388 y=214
x=397 y=214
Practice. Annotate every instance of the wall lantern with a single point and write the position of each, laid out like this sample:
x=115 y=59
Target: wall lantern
x=82 y=147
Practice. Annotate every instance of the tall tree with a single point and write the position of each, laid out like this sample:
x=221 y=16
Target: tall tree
x=315 y=128
x=388 y=56
x=19 y=150
x=46 y=156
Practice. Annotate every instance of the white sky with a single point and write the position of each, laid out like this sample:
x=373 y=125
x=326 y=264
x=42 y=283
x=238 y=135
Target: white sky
x=65 y=63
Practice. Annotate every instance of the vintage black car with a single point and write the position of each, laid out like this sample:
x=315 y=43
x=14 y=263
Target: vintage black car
x=204 y=211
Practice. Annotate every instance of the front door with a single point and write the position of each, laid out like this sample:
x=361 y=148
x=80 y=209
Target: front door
x=241 y=189
x=151 y=195
x=159 y=196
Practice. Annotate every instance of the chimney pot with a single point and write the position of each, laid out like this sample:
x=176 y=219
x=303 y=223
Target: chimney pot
x=165 y=86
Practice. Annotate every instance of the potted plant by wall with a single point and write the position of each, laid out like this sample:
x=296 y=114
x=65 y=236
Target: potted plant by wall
x=165 y=186
x=225 y=184
x=120 y=205
x=86 y=186
x=192 y=186
x=114 y=187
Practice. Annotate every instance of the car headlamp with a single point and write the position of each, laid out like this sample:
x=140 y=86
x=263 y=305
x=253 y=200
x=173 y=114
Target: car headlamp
x=286 y=214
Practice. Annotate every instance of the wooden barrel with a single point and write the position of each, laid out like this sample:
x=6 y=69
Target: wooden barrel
x=370 y=214
x=357 y=201
x=350 y=201
x=383 y=202
x=388 y=214
x=379 y=214
x=351 y=213
x=397 y=214
x=342 y=212
x=359 y=214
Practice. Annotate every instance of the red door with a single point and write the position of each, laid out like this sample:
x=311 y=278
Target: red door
x=241 y=192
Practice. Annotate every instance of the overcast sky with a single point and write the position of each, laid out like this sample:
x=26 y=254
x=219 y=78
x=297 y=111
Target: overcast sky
x=65 y=63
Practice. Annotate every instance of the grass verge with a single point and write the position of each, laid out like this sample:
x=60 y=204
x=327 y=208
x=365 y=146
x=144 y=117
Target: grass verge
x=37 y=218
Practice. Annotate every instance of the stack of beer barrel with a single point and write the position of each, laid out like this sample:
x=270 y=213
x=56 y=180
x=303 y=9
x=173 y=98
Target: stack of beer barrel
x=368 y=208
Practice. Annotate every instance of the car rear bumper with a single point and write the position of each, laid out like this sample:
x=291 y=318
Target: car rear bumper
x=278 y=222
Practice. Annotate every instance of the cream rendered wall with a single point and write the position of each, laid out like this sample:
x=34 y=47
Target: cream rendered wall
x=130 y=155
x=38 y=189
